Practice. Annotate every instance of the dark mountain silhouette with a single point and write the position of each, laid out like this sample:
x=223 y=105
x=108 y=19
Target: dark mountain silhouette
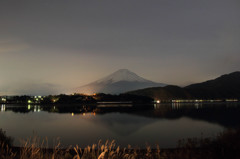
x=120 y=81
x=163 y=93
x=225 y=86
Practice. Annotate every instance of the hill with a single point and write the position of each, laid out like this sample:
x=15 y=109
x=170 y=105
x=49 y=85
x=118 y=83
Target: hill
x=225 y=86
x=163 y=93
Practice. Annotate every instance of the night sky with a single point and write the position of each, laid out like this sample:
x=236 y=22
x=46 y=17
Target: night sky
x=49 y=46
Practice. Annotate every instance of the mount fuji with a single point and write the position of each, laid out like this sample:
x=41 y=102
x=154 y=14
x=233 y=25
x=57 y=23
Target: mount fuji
x=120 y=81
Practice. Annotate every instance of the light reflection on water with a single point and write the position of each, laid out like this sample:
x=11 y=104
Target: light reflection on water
x=3 y=108
x=164 y=125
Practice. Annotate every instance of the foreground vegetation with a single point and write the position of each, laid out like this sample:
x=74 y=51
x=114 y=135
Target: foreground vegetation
x=224 y=146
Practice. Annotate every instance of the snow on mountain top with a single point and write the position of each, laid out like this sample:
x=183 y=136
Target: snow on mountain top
x=122 y=75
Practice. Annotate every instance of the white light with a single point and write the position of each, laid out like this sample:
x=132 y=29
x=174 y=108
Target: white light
x=3 y=108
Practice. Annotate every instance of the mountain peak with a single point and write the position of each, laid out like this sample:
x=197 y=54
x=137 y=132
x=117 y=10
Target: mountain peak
x=120 y=81
x=123 y=71
x=122 y=75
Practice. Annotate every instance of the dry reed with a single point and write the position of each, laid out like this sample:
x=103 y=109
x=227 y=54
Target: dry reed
x=226 y=145
x=35 y=148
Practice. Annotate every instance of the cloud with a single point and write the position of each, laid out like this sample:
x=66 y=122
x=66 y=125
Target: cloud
x=30 y=88
x=12 y=45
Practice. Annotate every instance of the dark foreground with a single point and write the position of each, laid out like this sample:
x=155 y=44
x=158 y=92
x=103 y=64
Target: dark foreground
x=224 y=146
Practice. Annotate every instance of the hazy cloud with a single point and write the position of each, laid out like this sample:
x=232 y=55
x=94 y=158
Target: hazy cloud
x=31 y=88
x=12 y=45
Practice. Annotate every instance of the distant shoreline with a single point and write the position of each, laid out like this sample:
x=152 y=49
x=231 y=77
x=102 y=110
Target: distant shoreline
x=129 y=102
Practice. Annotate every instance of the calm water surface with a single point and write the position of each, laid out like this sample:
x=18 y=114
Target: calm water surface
x=165 y=124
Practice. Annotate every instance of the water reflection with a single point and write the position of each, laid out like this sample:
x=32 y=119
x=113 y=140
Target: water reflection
x=226 y=115
x=3 y=108
x=159 y=123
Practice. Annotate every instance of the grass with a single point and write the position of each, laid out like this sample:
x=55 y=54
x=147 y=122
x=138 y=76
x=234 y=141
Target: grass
x=34 y=149
x=225 y=146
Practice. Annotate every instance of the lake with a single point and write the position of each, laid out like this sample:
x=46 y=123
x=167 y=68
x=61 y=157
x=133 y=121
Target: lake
x=162 y=124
